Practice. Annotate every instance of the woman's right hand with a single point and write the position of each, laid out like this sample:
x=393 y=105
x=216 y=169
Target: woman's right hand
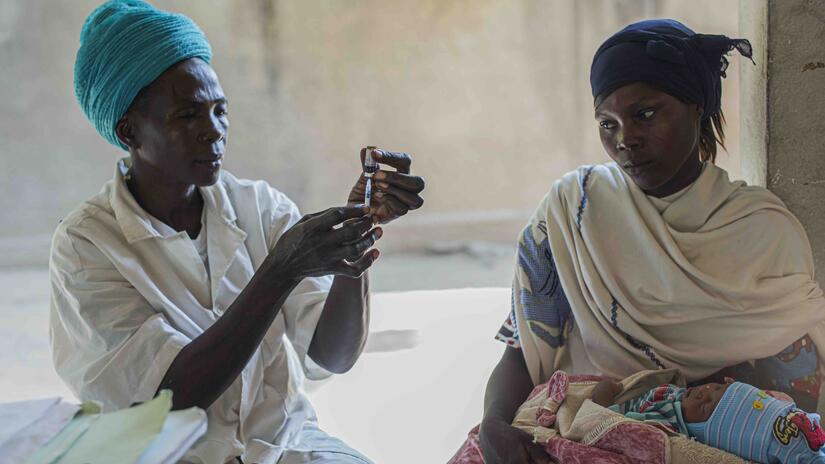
x=312 y=247
x=501 y=443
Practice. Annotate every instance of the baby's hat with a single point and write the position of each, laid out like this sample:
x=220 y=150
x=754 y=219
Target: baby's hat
x=752 y=425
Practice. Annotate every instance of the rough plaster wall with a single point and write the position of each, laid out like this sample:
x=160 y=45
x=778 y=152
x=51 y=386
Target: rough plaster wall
x=796 y=92
x=753 y=24
x=490 y=96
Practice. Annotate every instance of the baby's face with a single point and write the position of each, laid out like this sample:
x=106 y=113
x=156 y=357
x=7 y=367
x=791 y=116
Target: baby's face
x=699 y=402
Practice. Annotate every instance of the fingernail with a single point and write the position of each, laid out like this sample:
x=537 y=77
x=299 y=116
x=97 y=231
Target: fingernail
x=380 y=175
x=383 y=185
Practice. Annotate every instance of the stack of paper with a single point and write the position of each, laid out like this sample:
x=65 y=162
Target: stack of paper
x=54 y=432
x=25 y=426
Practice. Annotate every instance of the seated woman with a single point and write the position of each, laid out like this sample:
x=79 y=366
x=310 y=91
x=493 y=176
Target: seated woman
x=657 y=259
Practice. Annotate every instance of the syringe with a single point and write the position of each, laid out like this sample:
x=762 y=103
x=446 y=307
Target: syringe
x=370 y=166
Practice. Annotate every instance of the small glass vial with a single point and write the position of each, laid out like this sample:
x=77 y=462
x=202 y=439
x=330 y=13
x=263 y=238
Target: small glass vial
x=370 y=167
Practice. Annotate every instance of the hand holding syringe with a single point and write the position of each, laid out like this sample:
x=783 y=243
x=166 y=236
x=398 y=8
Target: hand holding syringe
x=391 y=192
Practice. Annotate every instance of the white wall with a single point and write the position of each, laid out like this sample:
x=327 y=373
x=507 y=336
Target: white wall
x=491 y=97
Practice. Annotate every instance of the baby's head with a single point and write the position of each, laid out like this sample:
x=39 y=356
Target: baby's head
x=746 y=421
x=698 y=403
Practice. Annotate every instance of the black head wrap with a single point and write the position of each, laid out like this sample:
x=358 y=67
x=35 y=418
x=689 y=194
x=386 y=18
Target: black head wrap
x=668 y=55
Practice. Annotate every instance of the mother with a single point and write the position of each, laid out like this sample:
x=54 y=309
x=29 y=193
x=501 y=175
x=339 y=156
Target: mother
x=657 y=259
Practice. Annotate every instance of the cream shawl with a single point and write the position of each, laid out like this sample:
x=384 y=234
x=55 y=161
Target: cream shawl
x=717 y=274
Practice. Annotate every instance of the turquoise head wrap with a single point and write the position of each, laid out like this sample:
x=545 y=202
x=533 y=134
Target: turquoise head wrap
x=124 y=46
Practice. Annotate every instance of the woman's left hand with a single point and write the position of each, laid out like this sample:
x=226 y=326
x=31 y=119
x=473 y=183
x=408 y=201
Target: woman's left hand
x=393 y=192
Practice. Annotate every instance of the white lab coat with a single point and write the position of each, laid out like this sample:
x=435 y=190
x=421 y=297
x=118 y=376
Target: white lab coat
x=126 y=298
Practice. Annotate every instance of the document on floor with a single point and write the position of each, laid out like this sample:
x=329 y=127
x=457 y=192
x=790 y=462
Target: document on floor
x=25 y=426
x=147 y=433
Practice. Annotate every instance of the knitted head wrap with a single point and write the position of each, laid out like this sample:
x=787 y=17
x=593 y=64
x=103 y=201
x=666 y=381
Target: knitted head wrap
x=752 y=425
x=668 y=55
x=124 y=46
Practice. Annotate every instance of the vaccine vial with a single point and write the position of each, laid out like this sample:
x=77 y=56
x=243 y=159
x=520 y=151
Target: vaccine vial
x=370 y=167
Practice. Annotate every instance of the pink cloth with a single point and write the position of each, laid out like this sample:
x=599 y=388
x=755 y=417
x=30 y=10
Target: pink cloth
x=470 y=452
x=626 y=443
x=570 y=452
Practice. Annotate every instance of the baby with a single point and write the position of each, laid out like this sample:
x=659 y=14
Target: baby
x=733 y=416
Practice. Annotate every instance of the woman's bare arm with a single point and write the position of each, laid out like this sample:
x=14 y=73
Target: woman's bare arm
x=508 y=387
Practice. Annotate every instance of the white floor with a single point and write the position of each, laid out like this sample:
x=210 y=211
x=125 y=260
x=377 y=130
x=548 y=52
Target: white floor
x=410 y=399
x=417 y=405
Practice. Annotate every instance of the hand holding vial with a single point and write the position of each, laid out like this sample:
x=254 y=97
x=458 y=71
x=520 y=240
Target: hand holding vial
x=388 y=193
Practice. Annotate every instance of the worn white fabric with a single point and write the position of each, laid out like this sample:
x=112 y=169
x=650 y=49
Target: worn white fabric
x=317 y=447
x=199 y=242
x=718 y=274
x=126 y=298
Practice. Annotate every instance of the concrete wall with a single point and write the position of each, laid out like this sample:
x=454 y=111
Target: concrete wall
x=753 y=24
x=786 y=92
x=491 y=97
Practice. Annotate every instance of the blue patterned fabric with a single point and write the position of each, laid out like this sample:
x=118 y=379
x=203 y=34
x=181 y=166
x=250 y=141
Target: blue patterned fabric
x=662 y=404
x=546 y=305
x=794 y=371
x=508 y=332
x=124 y=46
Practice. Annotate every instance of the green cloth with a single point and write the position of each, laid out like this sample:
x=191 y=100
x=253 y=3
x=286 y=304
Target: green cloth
x=124 y=46
x=120 y=436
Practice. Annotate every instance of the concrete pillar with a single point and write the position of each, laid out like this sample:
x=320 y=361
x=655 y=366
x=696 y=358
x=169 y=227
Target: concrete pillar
x=782 y=115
